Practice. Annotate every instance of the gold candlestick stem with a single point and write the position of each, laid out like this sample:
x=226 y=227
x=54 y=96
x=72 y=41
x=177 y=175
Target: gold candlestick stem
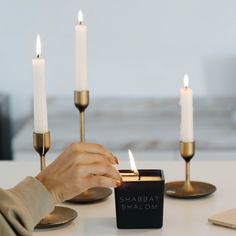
x=42 y=163
x=60 y=215
x=81 y=100
x=82 y=127
x=187 y=185
x=188 y=188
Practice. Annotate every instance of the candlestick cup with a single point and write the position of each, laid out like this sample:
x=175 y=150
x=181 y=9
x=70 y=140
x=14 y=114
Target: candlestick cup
x=81 y=100
x=188 y=188
x=60 y=215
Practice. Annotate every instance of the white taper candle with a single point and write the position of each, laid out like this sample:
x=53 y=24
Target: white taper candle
x=81 y=55
x=40 y=100
x=186 y=103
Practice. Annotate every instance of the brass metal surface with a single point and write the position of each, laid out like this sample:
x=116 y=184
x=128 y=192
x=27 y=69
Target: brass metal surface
x=187 y=184
x=81 y=100
x=92 y=195
x=59 y=216
x=42 y=143
x=199 y=189
x=187 y=150
x=82 y=127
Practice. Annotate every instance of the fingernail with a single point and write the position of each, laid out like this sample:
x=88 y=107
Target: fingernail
x=117 y=161
x=118 y=183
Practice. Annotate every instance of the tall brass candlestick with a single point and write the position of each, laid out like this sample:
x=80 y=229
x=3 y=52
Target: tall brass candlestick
x=60 y=215
x=188 y=188
x=81 y=100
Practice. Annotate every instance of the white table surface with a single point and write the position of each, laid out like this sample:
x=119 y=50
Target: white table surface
x=181 y=217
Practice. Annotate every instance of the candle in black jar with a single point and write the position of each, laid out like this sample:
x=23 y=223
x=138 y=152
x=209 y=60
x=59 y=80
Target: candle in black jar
x=139 y=200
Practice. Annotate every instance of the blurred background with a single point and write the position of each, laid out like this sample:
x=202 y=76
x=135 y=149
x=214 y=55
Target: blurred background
x=138 y=53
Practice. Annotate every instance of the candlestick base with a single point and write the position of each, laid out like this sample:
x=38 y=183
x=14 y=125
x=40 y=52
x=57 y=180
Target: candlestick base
x=58 y=217
x=92 y=195
x=198 y=189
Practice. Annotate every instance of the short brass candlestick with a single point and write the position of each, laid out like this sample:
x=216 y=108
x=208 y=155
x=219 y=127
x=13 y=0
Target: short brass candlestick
x=188 y=188
x=81 y=100
x=60 y=215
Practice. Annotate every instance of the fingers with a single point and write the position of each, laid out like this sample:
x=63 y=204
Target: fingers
x=103 y=181
x=101 y=169
x=93 y=148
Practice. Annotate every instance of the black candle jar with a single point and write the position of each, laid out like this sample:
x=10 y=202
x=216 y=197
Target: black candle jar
x=139 y=200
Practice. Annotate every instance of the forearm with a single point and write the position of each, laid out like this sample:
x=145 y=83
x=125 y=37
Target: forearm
x=22 y=207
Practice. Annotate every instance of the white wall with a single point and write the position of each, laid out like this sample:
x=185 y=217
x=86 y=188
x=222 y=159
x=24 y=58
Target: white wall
x=136 y=47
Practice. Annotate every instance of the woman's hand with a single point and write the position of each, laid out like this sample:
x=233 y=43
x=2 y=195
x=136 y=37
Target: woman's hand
x=80 y=167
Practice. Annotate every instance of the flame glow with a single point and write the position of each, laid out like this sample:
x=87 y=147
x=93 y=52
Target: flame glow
x=186 y=81
x=80 y=17
x=38 y=46
x=132 y=163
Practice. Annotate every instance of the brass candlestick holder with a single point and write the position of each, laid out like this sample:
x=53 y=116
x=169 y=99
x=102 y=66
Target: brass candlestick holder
x=188 y=188
x=81 y=100
x=60 y=215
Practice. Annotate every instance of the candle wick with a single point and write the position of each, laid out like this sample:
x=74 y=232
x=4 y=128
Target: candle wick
x=139 y=177
x=37 y=55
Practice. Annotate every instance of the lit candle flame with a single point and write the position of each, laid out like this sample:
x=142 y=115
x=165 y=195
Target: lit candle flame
x=80 y=17
x=186 y=81
x=132 y=163
x=38 y=46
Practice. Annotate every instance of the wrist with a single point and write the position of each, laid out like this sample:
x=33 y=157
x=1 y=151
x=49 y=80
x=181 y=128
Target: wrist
x=49 y=187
